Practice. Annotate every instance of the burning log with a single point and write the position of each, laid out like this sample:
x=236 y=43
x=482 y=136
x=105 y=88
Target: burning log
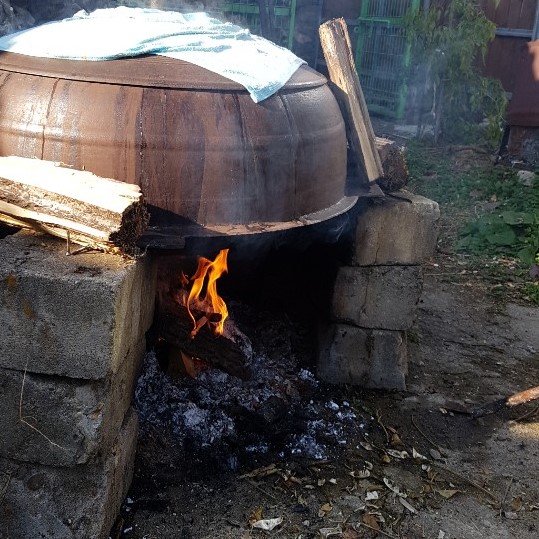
x=72 y=204
x=393 y=160
x=337 y=49
x=191 y=317
x=175 y=327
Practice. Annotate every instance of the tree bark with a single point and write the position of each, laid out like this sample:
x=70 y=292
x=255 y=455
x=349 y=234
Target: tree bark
x=393 y=160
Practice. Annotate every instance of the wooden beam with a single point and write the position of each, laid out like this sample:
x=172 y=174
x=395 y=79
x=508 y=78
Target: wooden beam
x=89 y=210
x=337 y=49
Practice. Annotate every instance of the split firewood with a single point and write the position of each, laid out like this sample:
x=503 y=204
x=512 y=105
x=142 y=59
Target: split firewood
x=337 y=49
x=393 y=160
x=77 y=205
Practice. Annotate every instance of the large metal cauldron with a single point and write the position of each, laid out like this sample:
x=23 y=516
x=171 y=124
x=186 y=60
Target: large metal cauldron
x=208 y=159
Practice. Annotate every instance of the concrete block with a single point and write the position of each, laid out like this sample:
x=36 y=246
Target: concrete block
x=72 y=316
x=400 y=229
x=68 y=502
x=377 y=297
x=78 y=420
x=368 y=358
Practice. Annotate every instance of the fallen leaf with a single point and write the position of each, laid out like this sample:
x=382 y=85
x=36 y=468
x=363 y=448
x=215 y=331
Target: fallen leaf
x=328 y=532
x=256 y=515
x=447 y=493
x=417 y=455
x=408 y=506
x=398 y=454
x=395 y=440
x=262 y=472
x=516 y=504
x=372 y=495
x=360 y=474
x=394 y=489
x=368 y=465
x=350 y=533
x=268 y=524
x=385 y=459
x=366 y=445
x=324 y=510
x=371 y=521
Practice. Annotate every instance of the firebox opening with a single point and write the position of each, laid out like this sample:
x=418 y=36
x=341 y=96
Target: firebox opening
x=6 y=230
x=288 y=274
x=212 y=414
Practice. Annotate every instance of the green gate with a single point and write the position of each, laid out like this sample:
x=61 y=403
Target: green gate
x=383 y=54
x=281 y=18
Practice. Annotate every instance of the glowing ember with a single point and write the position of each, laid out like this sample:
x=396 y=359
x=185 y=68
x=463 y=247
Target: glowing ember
x=209 y=303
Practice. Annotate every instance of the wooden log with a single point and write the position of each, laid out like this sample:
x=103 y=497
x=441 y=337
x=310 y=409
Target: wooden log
x=337 y=49
x=88 y=210
x=175 y=327
x=393 y=160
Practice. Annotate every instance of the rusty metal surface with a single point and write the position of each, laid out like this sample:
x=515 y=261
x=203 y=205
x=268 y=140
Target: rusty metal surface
x=524 y=107
x=146 y=71
x=202 y=151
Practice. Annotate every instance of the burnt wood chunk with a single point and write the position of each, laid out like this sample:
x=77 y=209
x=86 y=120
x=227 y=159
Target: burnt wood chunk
x=393 y=160
x=175 y=327
x=337 y=49
x=74 y=204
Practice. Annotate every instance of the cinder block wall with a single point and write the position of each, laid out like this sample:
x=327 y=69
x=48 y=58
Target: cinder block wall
x=375 y=297
x=72 y=342
x=71 y=346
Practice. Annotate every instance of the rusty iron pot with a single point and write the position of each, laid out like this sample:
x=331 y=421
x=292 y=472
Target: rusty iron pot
x=208 y=159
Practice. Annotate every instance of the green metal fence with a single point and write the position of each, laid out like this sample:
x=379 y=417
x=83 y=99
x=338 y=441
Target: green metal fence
x=383 y=53
x=281 y=18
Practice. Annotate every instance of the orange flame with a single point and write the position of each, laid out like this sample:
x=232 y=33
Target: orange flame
x=210 y=302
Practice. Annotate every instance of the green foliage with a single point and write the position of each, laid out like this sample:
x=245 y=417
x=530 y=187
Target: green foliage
x=447 y=44
x=506 y=212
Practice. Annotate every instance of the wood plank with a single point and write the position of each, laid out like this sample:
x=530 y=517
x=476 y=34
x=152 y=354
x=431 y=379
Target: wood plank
x=337 y=49
x=92 y=211
x=513 y=16
x=527 y=14
x=502 y=13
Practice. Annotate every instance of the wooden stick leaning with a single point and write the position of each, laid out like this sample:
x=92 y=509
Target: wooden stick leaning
x=91 y=211
x=337 y=49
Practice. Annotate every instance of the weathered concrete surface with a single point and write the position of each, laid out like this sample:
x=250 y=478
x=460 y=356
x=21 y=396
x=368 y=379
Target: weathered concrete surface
x=400 y=229
x=377 y=297
x=82 y=418
x=369 y=358
x=67 y=503
x=72 y=316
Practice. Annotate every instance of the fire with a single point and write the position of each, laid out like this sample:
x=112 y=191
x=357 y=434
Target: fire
x=209 y=302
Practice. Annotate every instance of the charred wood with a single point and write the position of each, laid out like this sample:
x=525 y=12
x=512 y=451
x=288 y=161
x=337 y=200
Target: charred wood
x=175 y=327
x=393 y=160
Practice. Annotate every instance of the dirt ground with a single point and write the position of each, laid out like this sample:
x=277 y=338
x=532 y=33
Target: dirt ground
x=404 y=465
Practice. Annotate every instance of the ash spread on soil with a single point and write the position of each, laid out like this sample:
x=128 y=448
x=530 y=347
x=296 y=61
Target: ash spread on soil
x=224 y=423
